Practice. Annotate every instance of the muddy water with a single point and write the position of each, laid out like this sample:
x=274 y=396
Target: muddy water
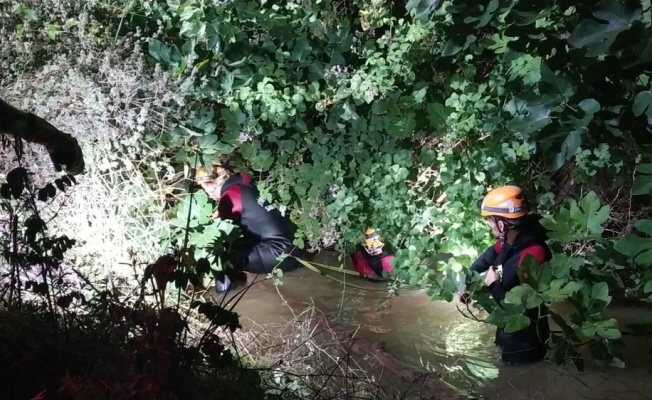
x=431 y=334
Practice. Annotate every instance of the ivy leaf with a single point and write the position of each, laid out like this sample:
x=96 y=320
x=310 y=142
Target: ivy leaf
x=593 y=215
x=607 y=329
x=562 y=264
x=558 y=291
x=642 y=104
x=612 y=19
x=212 y=38
x=437 y=115
x=422 y=9
x=648 y=287
x=526 y=17
x=600 y=299
x=301 y=50
x=567 y=149
x=529 y=116
x=590 y=107
x=637 y=247
x=159 y=51
x=500 y=316
x=643 y=180
x=523 y=294
x=555 y=84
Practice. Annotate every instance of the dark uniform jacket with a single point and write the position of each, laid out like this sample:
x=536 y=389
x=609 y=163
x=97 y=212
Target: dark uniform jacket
x=266 y=234
x=526 y=345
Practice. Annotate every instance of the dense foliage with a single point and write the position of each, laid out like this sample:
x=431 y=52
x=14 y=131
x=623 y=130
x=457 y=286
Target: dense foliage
x=366 y=113
x=375 y=113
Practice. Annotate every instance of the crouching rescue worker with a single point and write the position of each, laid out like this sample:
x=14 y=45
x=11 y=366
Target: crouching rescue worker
x=518 y=234
x=370 y=259
x=266 y=234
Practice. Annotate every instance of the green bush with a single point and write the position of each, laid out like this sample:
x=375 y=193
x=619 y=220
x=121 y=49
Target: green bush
x=370 y=114
x=374 y=113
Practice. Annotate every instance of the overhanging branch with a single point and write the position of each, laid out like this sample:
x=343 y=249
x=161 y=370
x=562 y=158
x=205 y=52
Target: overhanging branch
x=63 y=149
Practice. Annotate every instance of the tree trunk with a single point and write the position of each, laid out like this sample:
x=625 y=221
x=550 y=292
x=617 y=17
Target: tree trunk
x=63 y=149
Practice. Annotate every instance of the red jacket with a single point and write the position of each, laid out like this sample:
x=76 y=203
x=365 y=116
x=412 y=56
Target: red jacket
x=372 y=266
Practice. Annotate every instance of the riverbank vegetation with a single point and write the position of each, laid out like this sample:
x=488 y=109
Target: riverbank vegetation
x=397 y=115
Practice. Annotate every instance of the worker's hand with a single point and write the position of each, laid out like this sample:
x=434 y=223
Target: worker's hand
x=491 y=276
x=215 y=214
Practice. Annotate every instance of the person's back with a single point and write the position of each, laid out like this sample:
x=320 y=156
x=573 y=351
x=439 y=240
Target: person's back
x=262 y=224
x=266 y=234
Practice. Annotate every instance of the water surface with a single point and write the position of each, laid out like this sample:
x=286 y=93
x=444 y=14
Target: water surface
x=427 y=333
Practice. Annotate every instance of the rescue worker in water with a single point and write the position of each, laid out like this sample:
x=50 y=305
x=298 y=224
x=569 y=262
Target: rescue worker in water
x=266 y=234
x=518 y=234
x=370 y=259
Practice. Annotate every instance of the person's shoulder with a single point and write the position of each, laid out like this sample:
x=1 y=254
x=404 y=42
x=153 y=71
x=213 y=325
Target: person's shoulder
x=536 y=250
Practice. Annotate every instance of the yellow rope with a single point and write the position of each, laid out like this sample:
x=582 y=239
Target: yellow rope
x=317 y=267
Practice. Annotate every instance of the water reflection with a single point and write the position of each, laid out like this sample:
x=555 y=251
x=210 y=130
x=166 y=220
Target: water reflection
x=419 y=331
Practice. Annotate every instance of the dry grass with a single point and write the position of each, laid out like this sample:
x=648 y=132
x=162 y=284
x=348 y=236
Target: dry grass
x=103 y=95
x=303 y=357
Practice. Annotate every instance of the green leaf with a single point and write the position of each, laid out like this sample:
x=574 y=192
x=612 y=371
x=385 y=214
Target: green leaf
x=595 y=215
x=348 y=113
x=555 y=84
x=637 y=247
x=159 y=51
x=523 y=294
x=529 y=116
x=608 y=329
x=590 y=106
x=301 y=50
x=437 y=115
x=567 y=149
x=642 y=49
x=422 y=9
x=500 y=316
x=642 y=184
x=517 y=323
x=600 y=291
x=523 y=18
x=558 y=291
x=212 y=37
x=648 y=287
x=611 y=18
x=562 y=264
x=642 y=103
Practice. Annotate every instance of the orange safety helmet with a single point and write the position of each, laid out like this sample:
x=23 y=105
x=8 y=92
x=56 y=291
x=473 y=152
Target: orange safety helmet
x=372 y=243
x=506 y=201
x=217 y=172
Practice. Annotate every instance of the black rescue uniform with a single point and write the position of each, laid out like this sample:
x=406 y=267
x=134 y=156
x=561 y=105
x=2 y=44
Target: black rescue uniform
x=266 y=234
x=529 y=344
